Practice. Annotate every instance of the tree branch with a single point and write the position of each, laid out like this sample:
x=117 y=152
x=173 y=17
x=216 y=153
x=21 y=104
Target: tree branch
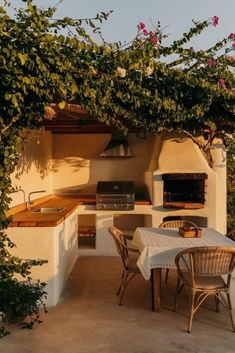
x=14 y=119
x=205 y=148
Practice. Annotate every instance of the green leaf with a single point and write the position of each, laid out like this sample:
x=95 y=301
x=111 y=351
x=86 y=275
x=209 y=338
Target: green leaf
x=48 y=38
x=74 y=88
x=7 y=96
x=62 y=105
x=91 y=24
x=23 y=58
x=14 y=100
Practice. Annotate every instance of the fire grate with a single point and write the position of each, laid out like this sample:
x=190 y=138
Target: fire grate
x=184 y=190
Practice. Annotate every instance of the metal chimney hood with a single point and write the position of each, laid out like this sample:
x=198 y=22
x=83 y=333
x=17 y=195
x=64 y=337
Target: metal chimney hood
x=118 y=147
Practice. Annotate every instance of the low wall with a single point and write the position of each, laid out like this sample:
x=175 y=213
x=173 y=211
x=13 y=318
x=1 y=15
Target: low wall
x=58 y=245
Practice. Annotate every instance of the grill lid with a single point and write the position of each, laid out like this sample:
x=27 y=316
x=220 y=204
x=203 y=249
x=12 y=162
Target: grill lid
x=115 y=187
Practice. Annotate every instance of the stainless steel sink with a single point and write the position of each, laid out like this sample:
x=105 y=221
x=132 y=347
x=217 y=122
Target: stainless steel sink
x=49 y=209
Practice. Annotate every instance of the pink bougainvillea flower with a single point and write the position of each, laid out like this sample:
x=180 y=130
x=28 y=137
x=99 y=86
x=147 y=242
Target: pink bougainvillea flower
x=211 y=62
x=231 y=36
x=154 y=39
x=215 y=21
x=146 y=33
x=230 y=57
x=222 y=83
x=233 y=45
x=141 y=25
x=209 y=131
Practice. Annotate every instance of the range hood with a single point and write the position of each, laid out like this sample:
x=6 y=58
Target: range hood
x=118 y=147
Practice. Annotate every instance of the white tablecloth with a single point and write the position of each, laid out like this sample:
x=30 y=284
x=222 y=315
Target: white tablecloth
x=159 y=246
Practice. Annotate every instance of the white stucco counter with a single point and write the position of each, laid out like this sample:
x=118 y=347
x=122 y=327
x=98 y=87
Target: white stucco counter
x=57 y=244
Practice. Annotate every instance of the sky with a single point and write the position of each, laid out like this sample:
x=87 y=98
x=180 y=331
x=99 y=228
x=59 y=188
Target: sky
x=175 y=15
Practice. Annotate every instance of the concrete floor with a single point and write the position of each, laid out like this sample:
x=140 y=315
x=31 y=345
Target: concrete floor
x=89 y=320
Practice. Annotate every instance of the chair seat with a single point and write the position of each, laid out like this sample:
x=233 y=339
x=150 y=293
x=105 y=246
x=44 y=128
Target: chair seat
x=205 y=282
x=131 y=264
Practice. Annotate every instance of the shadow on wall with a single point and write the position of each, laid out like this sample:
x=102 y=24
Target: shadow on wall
x=75 y=163
x=36 y=154
x=217 y=147
x=72 y=156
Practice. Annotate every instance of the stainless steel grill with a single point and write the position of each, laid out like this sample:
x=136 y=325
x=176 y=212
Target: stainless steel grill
x=115 y=195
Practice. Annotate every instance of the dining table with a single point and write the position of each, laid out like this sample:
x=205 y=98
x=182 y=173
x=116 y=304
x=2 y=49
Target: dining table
x=158 y=248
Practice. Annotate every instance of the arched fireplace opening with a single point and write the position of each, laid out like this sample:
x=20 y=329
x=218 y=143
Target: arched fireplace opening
x=184 y=190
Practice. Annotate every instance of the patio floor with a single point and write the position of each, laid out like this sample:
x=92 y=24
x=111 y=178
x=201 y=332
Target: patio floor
x=88 y=319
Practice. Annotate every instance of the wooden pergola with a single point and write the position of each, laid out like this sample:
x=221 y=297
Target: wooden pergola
x=73 y=119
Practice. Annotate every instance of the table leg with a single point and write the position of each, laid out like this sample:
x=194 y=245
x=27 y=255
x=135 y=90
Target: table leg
x=156 y=289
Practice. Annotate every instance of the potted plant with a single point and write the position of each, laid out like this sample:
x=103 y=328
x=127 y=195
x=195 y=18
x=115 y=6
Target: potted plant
x=21 y=300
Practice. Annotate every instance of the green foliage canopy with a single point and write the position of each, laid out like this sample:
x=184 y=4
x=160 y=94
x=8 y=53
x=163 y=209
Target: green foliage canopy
x=136 y=84
x=230 y=140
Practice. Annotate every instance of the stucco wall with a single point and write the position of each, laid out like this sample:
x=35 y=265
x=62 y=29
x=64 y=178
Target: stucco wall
x=34 y=171
x=76 y=161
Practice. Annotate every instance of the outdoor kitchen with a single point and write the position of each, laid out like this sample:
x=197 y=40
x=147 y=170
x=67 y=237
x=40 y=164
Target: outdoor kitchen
x=163 y=177
x=166 y=177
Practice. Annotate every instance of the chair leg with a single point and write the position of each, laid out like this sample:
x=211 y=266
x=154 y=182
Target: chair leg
x=119 y=289
x=190 y=320
x=166 y=275
x=217 y=303
x=125 y=276
x=230 y=310
x=177 y=293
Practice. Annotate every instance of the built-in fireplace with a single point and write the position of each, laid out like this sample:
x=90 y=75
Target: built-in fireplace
x=184 y=190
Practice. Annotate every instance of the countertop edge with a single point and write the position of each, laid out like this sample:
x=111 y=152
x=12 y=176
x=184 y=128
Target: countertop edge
x=26 y=219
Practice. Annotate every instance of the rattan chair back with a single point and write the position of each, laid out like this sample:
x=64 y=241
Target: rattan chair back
x=119 y=239
x=130 y=269
x=206 y=261
x=176 y=224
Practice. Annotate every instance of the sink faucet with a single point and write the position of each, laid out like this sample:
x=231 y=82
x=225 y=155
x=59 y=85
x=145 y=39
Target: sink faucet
x=29 y=201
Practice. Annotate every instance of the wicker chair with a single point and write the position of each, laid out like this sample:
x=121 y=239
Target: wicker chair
x=200 y=270
x=130 y=269
x=175 y=224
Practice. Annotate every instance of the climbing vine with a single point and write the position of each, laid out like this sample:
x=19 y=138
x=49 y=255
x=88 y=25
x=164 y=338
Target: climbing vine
x=46 y=61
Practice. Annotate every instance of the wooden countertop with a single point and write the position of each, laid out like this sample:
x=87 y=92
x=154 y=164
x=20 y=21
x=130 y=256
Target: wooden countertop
x=28 y=218
x=34 y=219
